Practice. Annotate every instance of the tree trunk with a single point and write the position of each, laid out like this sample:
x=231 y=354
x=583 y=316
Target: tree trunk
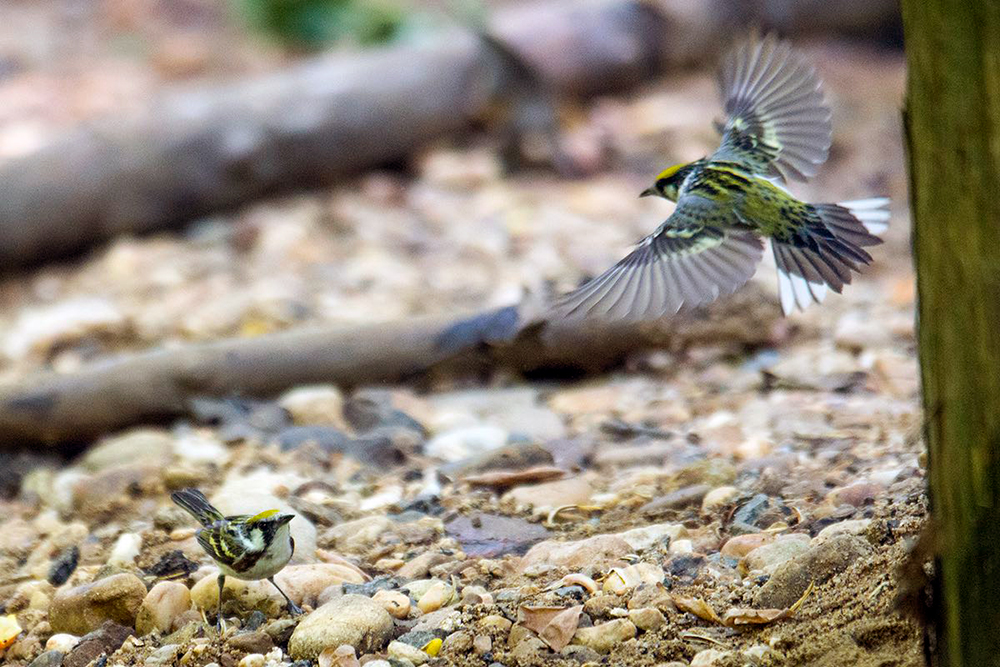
x=953 y=130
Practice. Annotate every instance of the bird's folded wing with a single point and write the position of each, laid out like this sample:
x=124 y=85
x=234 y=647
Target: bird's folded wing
x=222 y=545
x=777 y=121
x=681 y=265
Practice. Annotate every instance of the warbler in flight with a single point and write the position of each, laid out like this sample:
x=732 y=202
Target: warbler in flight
x=777 y=128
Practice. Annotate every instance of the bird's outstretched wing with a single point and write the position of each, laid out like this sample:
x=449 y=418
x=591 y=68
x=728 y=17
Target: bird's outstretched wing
x=686 y=262
x=777 y=123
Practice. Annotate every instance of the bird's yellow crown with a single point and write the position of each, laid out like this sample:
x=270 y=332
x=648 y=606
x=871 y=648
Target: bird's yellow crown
x=266 y=514
x=670 y=171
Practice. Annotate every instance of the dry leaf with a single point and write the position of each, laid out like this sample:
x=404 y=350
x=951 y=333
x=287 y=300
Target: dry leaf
x=698 y=607
x=555 y=625
x=740 y=616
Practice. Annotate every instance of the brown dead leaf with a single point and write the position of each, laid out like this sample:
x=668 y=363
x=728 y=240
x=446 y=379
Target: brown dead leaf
x=738 y=616
x=743 y=616
x=698 y=607
x=555 y=625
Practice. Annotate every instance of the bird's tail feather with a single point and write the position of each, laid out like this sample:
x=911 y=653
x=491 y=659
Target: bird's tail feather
x=824 y=256
x=873 y=213
x=195 y=502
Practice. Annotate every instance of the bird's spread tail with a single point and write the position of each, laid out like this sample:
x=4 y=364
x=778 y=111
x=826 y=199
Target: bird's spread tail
x=195 y=502
x=825 y=253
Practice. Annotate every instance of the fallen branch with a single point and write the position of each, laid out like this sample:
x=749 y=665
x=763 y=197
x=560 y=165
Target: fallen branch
x=69 y=408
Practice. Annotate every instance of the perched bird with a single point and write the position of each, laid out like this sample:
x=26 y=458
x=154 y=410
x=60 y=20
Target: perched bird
x=244 y=547
x=777 y=128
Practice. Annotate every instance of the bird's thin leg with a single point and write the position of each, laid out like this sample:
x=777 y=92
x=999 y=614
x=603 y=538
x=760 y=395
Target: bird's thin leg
x=293 y=608
x=219 y=623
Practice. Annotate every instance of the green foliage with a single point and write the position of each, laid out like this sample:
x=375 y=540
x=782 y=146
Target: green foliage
x=313 y=24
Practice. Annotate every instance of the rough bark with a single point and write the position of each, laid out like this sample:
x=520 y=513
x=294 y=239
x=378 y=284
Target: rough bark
x=953 y=131
x=64 y=409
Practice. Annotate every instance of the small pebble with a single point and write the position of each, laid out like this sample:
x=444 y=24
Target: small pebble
x=718 y=498
x=315 y=405
x=48 y=659
x=482 y=644
x=682 y=547
x=125 y=550
x=767 y=557
x=401 y=651
x=437 y=596
x=848 y=527
x=602 y=638
x=165 y=655
x=394 y=602
x=257 y=641
x=61 y=642
x=252 y=660
x=647 y=618
x=739 y=546
x=856 y=494
x=457 y=643
x=675 y=500
x=644 y=537
x=497 y=622
x=652 y=596
x=528 y=650
x=710 y=657
x=163 y=603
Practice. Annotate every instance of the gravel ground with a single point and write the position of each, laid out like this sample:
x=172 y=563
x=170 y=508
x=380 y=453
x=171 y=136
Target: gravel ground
x=634 y=518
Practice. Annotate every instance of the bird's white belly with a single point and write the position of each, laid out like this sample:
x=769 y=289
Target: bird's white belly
x=268 y=565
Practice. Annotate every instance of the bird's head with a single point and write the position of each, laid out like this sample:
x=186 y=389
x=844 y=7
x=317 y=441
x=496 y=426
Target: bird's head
x=668 y=182
x=272 y=524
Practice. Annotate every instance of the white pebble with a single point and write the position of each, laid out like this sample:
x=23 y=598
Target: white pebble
x=62 y=642
x=681 y=547
x=252 y=660
x=125 y=550
x=436 y=597
x=394 y=602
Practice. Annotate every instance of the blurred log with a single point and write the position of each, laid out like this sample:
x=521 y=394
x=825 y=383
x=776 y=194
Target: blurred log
x=64 y=409
x=204 y=150
x=953 y=134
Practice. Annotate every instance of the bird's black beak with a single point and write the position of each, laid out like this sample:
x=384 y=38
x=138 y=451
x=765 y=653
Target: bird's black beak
x=285 y=518
x=648 y=192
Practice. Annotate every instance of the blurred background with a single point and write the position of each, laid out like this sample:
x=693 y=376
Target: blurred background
x=176 y=172
x=444 y=219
